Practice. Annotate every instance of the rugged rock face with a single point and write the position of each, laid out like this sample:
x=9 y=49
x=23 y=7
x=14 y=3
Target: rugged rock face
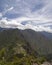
x=34 y=64
x=46 y=63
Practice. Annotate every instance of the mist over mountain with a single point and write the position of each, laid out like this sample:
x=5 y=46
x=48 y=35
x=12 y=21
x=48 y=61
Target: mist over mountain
x=47 y=34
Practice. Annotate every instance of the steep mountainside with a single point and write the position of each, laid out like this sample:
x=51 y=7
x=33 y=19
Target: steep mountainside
x=11 y=37
x=22 y=47
x=14 y=50
x=38 y=41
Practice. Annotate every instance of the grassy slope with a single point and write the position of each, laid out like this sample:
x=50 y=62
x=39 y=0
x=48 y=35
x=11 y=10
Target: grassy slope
x=15 y=49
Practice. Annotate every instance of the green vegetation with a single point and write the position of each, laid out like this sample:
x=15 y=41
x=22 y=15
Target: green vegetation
x=9 y=57
x=15 y=50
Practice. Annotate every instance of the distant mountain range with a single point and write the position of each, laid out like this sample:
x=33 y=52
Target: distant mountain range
x=46 y=34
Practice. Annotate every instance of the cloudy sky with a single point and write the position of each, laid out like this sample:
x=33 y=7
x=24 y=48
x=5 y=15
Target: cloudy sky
x=33 y=14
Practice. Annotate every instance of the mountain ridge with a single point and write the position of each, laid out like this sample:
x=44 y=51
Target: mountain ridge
x=19 y=46
x=32 y=37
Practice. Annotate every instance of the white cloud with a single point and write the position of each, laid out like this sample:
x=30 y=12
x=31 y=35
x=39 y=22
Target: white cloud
x=16 y=23
x=11 y=8
x=38 y=19
x=8 y=9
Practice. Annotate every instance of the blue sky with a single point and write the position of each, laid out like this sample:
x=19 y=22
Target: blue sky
x=34 y=12
x=16 y=8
